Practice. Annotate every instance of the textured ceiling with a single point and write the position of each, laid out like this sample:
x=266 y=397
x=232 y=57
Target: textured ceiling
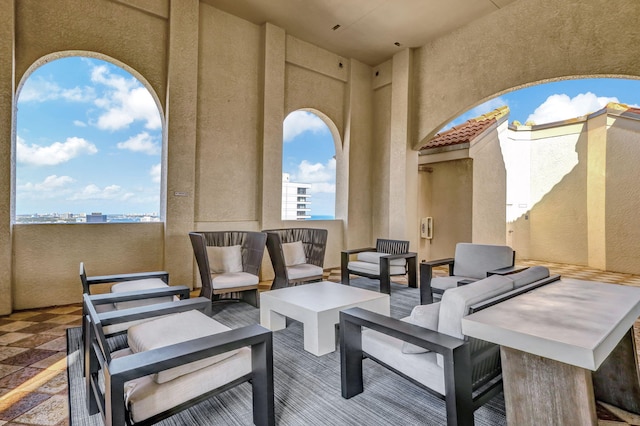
x=368 y=28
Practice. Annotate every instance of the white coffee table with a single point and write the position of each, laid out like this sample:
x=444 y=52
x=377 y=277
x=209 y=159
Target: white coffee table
x=317 y=306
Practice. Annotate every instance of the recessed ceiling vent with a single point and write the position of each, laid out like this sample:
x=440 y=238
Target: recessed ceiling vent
x=335 y=27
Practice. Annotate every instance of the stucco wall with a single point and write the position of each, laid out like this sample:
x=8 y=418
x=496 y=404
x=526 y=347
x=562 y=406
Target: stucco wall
x=47 y=258
x=558 y=216
x=489 y=188
x=450 y=185
x=525 y=42
x=228 y=148
x=623 y=196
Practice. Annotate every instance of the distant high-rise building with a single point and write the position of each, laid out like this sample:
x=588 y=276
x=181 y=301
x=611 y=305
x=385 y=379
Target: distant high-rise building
x=296 y=203
x=96 y=218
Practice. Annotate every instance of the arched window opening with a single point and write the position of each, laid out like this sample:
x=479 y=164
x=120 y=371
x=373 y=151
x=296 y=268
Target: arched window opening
x=88 y=145
x=309 y=168
x=561 y=157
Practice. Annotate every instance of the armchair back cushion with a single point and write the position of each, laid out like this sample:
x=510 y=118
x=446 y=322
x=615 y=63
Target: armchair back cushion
x=456 y=301
x=173 y=329
x=225 y=259
x=426 y=316
x=529 y=275
x=293 y=253
x=474 y=260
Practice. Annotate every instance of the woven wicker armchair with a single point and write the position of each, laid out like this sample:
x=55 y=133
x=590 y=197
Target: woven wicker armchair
x=234 y=276
x=282 y=245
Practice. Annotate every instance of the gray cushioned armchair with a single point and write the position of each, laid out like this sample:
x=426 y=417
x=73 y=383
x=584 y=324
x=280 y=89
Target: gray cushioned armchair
x=428 y=347
x=386 y=259
x=471 y=262
x=173 y=362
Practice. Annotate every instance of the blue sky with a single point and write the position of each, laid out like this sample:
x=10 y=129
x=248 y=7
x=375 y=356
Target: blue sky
x=89 y=136
x=89 y=139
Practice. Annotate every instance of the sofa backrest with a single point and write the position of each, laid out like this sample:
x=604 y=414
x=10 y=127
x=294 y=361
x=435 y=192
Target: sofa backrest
x=474 y=260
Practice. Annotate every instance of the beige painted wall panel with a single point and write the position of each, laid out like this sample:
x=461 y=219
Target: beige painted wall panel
x=528 y=41
x=451 y=206
x=559 y=215
x=358 y=152
x=228 y=150
x=380 y=174
x=623 y=197
x=309 y=56
x=596 y=183
x=47 y=258
x=6 y=140
x=309 y=89
x=127 y=34
x=489 y=190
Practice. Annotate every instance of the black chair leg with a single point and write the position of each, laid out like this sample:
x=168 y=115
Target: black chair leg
x=344 y=271
x=350 y=358
x=262 y=383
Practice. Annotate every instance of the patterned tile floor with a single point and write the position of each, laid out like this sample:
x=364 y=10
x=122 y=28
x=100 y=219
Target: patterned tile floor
x=33 y=381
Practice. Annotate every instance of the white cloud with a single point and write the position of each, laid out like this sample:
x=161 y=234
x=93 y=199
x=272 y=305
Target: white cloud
x=561 y=107
x=38 y=89
x=299 y=122
x=142 y=142
x=79 y=123
x=125 y=102
x=56 y=153
x=50 y=183
x=155 y=173
x=93 y=192
x=320 y=176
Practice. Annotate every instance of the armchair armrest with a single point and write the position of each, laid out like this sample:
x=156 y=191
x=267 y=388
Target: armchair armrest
x=407 y=255
x=179 y=290
x=426 y=274
x=419 y=336
x=507 y=270
x=358 y=250
x=104 y=279
x=440 y=262
x=149 y=362
x=159 y=309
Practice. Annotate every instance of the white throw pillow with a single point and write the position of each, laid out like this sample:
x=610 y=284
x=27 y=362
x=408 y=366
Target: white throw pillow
x=293 y=253
x=425 y=316
x=225 y=259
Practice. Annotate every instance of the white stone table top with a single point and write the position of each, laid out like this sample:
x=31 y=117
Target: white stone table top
x=571 y=321
x=322 y=296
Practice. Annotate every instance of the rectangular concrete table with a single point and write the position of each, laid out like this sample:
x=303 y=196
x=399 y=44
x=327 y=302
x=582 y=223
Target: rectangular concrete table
x=552 y=339
x=317 y=306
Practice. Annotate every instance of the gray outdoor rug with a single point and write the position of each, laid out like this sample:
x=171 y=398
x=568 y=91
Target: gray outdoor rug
x=307 y=388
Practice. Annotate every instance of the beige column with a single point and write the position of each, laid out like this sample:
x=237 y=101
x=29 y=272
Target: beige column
x=597 y=191
x=180 y=114
x=355 y=171
x=7 y=89
x=272 y=82
x=403 y=162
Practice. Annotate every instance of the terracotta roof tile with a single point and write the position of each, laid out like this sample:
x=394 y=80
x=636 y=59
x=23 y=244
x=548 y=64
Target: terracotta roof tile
x=467 y=131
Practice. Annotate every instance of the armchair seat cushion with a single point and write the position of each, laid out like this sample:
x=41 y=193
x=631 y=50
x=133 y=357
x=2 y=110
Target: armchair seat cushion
x=136 y=285
x=305 y=270
x=421 y=367
x=145 y=398
x=234 y=279
x=374 y=268
x=445 y=283
x=174 y=329
x=374 y=257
